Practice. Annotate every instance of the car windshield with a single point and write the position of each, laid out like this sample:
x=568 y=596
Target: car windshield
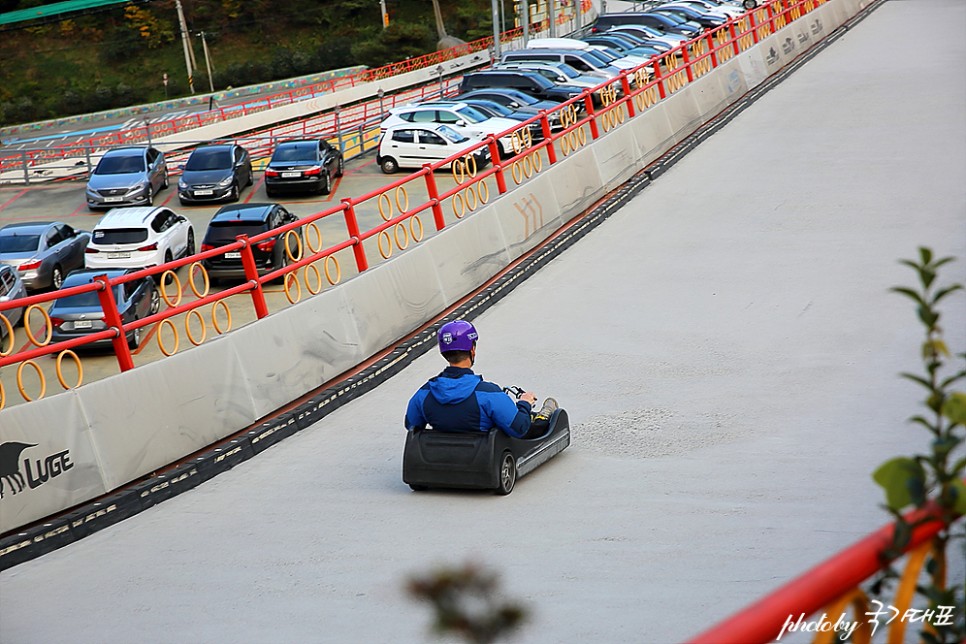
x=450 y=134
x=671 y=17
x=120 y=235
x=208 y=160
x=496 y=108
x=120 y=164
x=295 y=152
x=19 y=243
x=83 y=300
x=471 y=114
x=593 y=57
x=567 y=70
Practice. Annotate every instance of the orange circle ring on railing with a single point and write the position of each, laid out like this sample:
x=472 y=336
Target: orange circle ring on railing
x=60 y=373
x=174 y=331
x=187 y=327
x=458 y=169
x=404 y=205
x=214 y=317
x=40 y=375
x=313 y=249
x=416 y=220
x=387 y=251
x=338 y=270
x=461 y=211
x=516 y=169
x=204 y=277
x=164 y=288
x=386 y=216
x=318 y=279
x=292 y=278
x=288 y=247
x=48 y=327
x=10 y=336
x=3 y=396
x=400 y=227
x=481 y=189
x=472 y=199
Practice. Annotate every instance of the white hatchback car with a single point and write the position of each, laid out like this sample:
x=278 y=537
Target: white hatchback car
x=461 y=117
x=410 y=145
x=139 y=238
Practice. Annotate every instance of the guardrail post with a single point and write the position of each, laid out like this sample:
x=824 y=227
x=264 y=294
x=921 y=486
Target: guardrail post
x=551 y=150
x=433 y=191
x=686 y=60
x=754 y=26
x=659 y=77
x=113 y=319
x=497 y=163
x=251 y=276
x=626 y=90
x=714 y=52
x=589 y=106
x=352 y=227
x=733 y=33
x=26 y=167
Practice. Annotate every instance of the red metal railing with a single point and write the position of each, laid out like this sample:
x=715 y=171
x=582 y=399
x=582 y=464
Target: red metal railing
x=398 y=223
x=833 y=585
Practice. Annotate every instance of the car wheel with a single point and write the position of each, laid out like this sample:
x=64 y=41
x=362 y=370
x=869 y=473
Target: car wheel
x=166 y=182
x=56 y=278
x=150 y=199
x=190 y=249
x=168 y=257
x=155 y=302
x=341 y=169
x=389 y=165
x=234 y=194
x=326 y=187
x=135 y=339
x=506 y=474
x=251 y=176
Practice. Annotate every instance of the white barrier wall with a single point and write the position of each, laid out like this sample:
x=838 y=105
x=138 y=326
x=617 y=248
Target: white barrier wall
x=69 y=448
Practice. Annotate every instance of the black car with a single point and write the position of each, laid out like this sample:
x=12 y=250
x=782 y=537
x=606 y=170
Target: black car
x=79 y=315
x=248 y=219
x=215 y=172
x=304 y=166
x=528 y=82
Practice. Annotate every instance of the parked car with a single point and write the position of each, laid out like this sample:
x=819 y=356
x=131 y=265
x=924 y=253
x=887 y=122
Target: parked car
x=462 y=118
x=410 y=145
x=492 y=108
x=512 y=98
x=129 y=176
x=215 y=172
x=583 y=60
x=663 y=24
x=671 y=23
x=648 y=34
x=139 y=238
x=713 y=8
x=528 y=82
x=303 y=166
x=247 y=219
x=560 y=73
x=704 y=18
x=43 y=252
x=11 y=288
x=79 y=315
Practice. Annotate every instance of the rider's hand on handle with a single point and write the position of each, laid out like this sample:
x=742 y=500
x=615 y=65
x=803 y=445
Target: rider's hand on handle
x=529 y=397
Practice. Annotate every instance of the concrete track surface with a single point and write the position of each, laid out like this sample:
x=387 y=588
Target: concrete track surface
x=729 y=355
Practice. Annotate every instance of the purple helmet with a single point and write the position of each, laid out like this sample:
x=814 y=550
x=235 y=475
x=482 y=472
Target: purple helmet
x=458 y=335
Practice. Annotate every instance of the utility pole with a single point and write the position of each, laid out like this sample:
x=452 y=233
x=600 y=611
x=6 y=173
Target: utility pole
x=552 y=17
x=187 y=47
x=525 y=20
x=496 y=29
x=204 y=46
x=385 y=14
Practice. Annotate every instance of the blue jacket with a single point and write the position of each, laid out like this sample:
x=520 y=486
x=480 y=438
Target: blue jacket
x=458 y=400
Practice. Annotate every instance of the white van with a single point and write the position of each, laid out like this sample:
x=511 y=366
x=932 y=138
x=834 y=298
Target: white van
x=411 y=145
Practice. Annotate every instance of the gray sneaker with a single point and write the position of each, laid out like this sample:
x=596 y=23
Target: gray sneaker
x=549 y=406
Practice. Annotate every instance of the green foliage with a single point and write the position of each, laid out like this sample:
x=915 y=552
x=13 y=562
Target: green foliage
x=116 y=56
x=466 y=604
x=925 y=479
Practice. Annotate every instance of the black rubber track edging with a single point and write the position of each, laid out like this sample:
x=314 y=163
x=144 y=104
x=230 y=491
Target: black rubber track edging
x=57 y=531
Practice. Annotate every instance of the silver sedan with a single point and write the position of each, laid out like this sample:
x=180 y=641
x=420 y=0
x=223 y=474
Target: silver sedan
x=43 y=252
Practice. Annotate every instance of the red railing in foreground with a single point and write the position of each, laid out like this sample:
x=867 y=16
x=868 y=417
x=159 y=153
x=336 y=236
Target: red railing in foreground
x=833 y=585
x=564 y=130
